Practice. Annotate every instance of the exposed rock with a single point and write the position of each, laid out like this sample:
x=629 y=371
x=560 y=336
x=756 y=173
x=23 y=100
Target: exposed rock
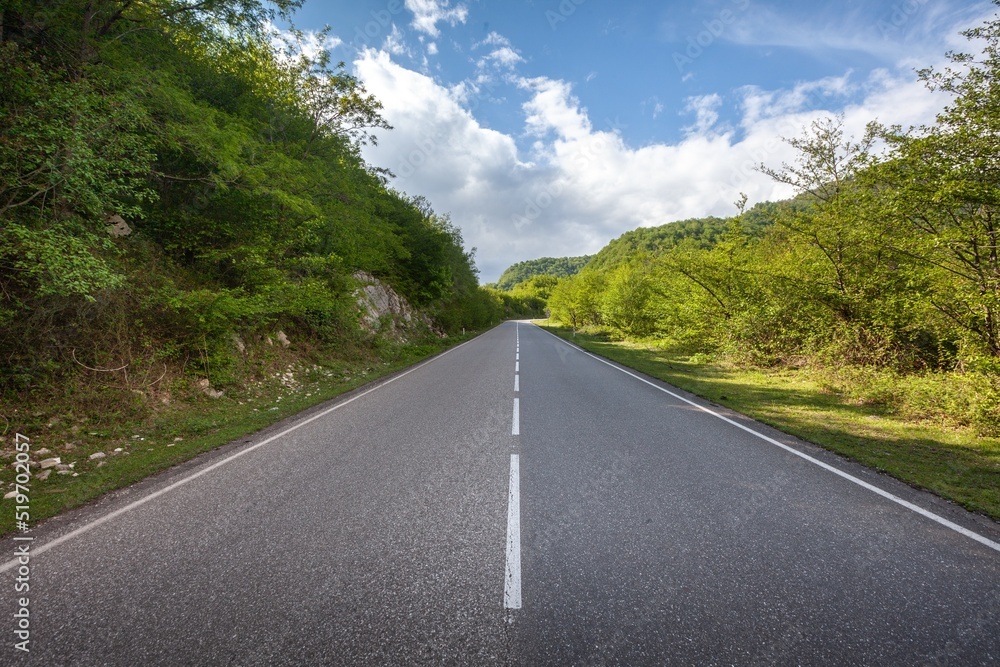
x=97 y=455
x=383 y=311
x=9 y=494
x=283 y=339
x=240 y=345
x=43 y=450
x=117 y=226
x=206 y=387
x=44 y=475
x=49 y=463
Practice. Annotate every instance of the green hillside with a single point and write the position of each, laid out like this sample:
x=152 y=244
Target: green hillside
x=185 y=216
x=701 y=232
x=560 y=267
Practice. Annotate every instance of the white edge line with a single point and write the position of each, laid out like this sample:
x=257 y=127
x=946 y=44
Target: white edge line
x=515 y=428
x=512 y=571
x=156 y=494
x=885 y=494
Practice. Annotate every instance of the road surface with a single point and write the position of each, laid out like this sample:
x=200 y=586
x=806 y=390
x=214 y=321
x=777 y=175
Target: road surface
x=515 y=501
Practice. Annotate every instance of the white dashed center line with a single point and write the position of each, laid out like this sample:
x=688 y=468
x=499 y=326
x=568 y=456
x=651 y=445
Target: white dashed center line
x=512 y=572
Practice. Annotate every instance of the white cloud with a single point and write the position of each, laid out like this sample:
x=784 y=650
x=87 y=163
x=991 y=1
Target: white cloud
x=395 y=43
x=554 y=109
x=428 y=13
x=495 y=39
x=706 y=111
x=432 y=49
x=577 y=187
x=759 y=104
x=505 y=56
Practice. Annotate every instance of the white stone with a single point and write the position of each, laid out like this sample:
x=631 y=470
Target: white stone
x=98 y=455
x=117 y=226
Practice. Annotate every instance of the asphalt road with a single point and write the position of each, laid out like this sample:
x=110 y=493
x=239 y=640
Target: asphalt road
x=514 y=501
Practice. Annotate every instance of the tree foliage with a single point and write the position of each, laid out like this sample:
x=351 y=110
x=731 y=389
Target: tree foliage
x=559 y=267
x=236 y=166
x=887 y=258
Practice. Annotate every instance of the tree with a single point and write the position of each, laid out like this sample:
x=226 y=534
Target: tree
x=943 y=182
x=625 y=304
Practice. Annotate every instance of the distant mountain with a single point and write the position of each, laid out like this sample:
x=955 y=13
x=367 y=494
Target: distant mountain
x=560 y=267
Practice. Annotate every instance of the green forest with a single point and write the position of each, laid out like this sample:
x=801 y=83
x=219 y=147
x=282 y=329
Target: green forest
x=559 y=267
x=174 y=178
x=884 y=269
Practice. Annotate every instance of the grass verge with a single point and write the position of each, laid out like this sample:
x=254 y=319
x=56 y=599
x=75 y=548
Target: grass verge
x=128 y=450
x=952 y=462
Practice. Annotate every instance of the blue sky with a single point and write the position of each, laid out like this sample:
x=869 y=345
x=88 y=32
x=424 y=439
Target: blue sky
x=549 y=127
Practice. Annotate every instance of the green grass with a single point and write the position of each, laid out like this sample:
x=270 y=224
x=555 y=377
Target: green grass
x=950 y=461
x=190 y=425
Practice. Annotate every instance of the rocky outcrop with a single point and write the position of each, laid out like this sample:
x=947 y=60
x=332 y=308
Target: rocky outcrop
x=385 y=312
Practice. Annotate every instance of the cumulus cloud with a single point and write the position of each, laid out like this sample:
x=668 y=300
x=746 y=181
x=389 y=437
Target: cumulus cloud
x=502 y=56
x=706 y=111
x=572 y=187
x=395 y=43
x=428 y=13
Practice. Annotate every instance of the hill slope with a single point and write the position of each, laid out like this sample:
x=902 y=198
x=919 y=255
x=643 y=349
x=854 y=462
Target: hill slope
x=560 y=267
